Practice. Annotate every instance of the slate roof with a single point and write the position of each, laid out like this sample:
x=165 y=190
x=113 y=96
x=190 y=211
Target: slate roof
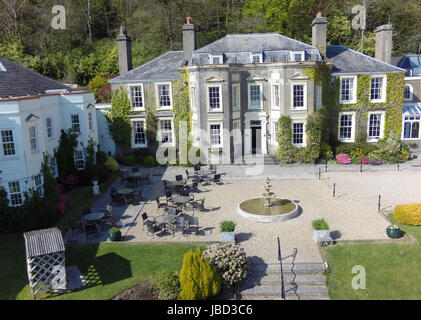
x=411 y=63
x=350 y=61
x=236 y=48
x=162 y=68
x=18 y=81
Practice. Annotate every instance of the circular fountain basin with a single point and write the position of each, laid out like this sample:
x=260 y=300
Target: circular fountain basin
x=280 y=210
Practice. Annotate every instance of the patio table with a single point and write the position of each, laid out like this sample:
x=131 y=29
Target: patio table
x=125 y=191
x=94 y=216
x=135 y=176
x=181 y=199
x=165 y=220
x=178 y=183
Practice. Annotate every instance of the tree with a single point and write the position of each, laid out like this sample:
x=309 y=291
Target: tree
x=117 y=119
x=64 y=154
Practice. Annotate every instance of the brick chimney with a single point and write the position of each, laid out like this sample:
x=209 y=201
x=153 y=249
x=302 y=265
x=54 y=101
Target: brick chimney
x=384 y=43
x=319 y=31
x=189 y=39
x=124 y=51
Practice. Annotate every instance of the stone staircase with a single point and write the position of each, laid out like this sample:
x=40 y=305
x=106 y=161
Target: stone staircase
x=267 y=159
x=302 y=281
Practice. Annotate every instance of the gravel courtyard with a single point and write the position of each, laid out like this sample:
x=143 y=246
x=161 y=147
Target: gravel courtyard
x=351 y=215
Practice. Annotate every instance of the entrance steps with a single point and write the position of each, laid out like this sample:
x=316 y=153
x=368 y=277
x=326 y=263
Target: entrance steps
x=302 y=281
x=267 y=159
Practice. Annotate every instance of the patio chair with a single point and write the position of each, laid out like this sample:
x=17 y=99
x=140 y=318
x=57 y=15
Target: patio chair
x=200 y=205
x=90 y=228
x=189 y=176
x=153 y=227
x=86 y=211
x=179 y=225
x=195 y=186
x=116 y=198
x=216 y=179
x=196 y=168
x=160 y=204
x=194 y=223
x=145 y=219
x=184 y=193
x=212 y=168
x=137 y=194
x=108 y=220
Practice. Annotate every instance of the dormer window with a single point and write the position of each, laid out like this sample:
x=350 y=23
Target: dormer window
x=216 y=59
x=256 y=58
x=297 y=56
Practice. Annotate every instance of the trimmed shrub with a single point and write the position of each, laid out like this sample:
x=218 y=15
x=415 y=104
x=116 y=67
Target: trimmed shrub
x=149 y=162
x=408 y=214
x=111 y=164
x=230 y=261
x=227 y=226
x=167 y=285
x=326 y=151
x=198 y=279
x=128 y=160
x=320 y=224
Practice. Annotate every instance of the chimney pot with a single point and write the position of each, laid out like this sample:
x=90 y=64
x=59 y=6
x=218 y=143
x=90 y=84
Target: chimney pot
x=319 y=14
x=189 y=39
x=384 y=43
x=319 y=32
x=188 y=20
x=124 y=51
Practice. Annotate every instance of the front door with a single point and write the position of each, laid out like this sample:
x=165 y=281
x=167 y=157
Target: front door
x=256 y=138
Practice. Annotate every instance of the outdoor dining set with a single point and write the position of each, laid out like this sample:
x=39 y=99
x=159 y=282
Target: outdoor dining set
x=179 y=206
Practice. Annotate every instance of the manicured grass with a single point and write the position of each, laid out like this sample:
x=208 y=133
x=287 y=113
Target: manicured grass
x=393 y=271
x=111 y=267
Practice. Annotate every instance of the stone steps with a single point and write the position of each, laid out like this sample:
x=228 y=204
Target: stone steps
x=302 y=281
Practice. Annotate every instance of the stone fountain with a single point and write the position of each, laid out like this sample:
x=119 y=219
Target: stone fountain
x=268 y=208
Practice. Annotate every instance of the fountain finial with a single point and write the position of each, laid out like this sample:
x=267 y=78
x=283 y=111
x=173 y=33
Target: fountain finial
x=268 y=194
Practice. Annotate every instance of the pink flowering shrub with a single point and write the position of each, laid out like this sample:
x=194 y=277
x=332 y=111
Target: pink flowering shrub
x=343 y=158
x=364 y=160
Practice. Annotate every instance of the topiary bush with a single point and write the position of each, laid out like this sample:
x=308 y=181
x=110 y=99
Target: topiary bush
x=198 y=279
x=320 y=224
x=230 y=261
x=149 y=162
x=167 y=285
x=227 y=226
x=111 y=164
x=408 y=214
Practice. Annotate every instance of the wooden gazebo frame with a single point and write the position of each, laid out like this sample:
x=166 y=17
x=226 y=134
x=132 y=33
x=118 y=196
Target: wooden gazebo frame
x=45 y=260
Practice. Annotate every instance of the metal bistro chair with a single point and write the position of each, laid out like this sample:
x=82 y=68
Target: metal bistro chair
x=161 y=204
x=194 y=223
x=189 y=177
x=168 y=197
x=200 y=206
x=172 y=210
x=153 y=227
x=90 y=228
x=196 y=168
x=107 y=220
x=179 y=225
x=145 y=219
x=212 y=168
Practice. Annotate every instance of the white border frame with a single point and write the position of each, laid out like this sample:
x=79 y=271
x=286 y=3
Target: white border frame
x=170 y=107
x=384 y=89
x=304 y=122
x=221 y=145
x=354 y=90
x=138 y=146
x=172 y=144
x=352 y=139
x=305 y=95
x=382 y=120
x=129 y=88
x=249 y=95
x=221 y=105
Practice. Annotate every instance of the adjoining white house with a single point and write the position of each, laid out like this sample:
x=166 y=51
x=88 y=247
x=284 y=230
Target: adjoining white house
x=33 y=110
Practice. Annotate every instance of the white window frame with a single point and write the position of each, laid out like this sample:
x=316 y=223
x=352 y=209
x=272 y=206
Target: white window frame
x=275 y=125
x=157 y=85
x=76 y=159
x=276 y=106
x=304 y=84
x=74 y=123
x=18 y=193
x=220 y=109
x=33 y=140
x=50 y=132
x=216 y=56
x=411 y=93
x=236 y=97
x=411 y=121
x=3 y=155
x=303 y=122
x=130 y=87
x=221 y=144
x=352 y=138
x=166 y=144
x=38 y=187
x=382 y=115
x=383 y=90
x=293 y=53
x=134 y=144
x=249 y=96
x=90 y=121
x=354 y=89
x=258 y=55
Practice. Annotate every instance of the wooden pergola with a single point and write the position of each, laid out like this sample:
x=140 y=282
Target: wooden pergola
x=45 y=260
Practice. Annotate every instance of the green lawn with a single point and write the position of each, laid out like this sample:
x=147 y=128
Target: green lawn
x=109 y=267
x=393 y=270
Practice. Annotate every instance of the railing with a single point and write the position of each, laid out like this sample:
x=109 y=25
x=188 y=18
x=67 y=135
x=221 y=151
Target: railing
x=282 y=271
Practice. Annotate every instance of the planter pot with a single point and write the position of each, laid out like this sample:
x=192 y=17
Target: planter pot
x=321 y=235
x=114 y=235
x=393 y=233
x=228 y=236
